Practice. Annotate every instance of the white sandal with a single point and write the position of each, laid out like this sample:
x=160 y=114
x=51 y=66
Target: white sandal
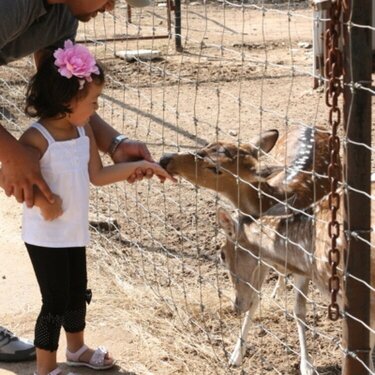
x=56 y=371
x=96 y=361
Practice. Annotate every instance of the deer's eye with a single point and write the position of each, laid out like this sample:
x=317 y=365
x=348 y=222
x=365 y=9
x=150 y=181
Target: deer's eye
x=200 y=154
x=215 y=169
x=228 y=154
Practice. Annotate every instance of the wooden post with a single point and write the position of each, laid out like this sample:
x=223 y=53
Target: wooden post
x=319 y=27
x=357 y=174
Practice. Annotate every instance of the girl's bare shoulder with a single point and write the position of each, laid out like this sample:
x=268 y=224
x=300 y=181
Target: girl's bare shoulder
x=32 y=137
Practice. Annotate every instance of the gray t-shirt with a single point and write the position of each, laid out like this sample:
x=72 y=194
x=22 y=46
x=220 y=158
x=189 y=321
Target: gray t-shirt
x=27 y=26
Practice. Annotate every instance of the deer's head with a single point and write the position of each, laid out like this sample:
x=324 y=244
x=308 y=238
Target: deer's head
x=297 y=173
x=217 y=165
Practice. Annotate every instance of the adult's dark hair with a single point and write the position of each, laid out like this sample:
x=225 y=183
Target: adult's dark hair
x=49 y=93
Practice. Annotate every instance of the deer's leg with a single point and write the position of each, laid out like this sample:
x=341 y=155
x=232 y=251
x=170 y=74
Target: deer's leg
x=240 y=348
x=279 y=287
x=302 y=284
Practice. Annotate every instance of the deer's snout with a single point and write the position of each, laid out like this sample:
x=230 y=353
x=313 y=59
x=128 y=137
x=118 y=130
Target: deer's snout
x=164 y=160
x=241 y=305
x=236 y=307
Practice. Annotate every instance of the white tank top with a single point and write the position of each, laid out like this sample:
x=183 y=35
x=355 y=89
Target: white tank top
x=64 y=167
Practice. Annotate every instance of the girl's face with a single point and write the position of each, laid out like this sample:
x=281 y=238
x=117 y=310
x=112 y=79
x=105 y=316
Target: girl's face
x=83 y=108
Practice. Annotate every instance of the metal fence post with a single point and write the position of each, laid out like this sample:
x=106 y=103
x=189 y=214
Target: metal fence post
x=177 y=14
x=357 y=173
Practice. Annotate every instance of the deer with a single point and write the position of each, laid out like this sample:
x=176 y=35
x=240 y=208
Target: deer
x=255 y=186
x=258 y=175
x=304 y=255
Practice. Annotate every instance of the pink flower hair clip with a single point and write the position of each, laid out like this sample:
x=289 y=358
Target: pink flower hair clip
x=76 y=60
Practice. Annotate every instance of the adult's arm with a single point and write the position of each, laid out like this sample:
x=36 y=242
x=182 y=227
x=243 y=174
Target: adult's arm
x=20 y=169
x=40 y=55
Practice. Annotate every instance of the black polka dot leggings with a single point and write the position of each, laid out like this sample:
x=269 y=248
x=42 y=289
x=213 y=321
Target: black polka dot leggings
x=62 y=279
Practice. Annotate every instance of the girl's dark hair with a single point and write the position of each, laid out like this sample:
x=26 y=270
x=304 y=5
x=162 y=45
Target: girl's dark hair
x=49 y=93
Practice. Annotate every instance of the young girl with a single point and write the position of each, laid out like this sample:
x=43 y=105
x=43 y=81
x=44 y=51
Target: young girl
x=63 y=94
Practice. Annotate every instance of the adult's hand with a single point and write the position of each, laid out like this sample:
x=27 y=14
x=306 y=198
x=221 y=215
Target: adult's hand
x=131 y=150
x=21 y=172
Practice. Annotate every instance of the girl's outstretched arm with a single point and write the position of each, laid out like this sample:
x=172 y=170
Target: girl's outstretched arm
x=100 y=175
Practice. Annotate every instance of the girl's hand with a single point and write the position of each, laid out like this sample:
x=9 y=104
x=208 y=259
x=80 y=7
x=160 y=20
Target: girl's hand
x=51 y=211
x=132 y=150
x=21 y=172
x=153 y=168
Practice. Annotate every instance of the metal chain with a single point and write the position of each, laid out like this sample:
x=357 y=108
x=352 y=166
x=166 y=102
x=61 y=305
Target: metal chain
x=333 y=72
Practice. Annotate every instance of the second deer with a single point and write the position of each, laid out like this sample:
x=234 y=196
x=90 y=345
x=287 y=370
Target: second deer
x=297 y=244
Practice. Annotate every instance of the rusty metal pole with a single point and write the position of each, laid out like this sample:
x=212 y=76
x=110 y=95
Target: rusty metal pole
x=169 y=20
x=129 y=13
x=177 y=25
x=357 y=169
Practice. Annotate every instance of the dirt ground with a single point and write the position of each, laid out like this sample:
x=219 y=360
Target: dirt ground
x=162 y=301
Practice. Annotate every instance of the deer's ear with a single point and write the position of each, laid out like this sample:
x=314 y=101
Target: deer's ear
x=266 y=140
x=226 y=222
x=282 y=208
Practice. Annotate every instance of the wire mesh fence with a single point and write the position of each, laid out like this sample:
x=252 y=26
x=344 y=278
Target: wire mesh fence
x=246 y=68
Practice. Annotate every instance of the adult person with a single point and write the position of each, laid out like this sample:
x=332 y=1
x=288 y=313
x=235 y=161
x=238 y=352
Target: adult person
x=13 y=348
x=39 y=27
